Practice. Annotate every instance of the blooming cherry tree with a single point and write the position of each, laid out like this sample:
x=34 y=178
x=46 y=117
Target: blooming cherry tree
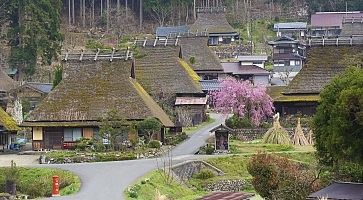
x=243 y=99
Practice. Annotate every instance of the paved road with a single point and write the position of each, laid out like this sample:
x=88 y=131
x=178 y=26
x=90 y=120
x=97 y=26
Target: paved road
x=108 y=180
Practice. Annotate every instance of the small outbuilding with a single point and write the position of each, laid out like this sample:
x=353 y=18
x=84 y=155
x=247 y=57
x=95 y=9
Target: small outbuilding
x=340 y=191
x=221 y=134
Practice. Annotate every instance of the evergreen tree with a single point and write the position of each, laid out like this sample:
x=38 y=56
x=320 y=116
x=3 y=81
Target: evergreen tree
x=58 y=75
x=34 y=32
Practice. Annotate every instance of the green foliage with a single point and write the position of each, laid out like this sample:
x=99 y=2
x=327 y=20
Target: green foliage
x=192 y=60
x=83 y=144
x=155 y=144
x=58 y=75
x=149 y=126
x=275 y=177
x=34 y=32
x=204 y=174
x=338 y=123
x=114 y=156
x=175 y=138
x=12 y=173
x=94 y=44
x=235 y=122
x=114 y=129
x=37 y=182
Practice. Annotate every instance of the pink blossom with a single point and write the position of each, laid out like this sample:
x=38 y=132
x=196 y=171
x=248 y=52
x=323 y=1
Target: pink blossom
x=243 y=99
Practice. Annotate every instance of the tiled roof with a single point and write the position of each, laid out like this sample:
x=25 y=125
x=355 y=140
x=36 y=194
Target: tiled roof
x=191 y=101
x=236 y=68
x=166 y=31
x=42 y=87
x=205 y=59
x=213 y=23
x=326 y=19
x=91 y=89
x=290 y=25
x=252 y=58
x=323 y=63
x=161 y=71
x=340 y=190
x=210 y=85
x=7 y=122
x=6 y=83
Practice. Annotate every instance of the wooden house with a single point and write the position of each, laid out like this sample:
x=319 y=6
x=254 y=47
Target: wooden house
x=339 y=191
x=253 y=73
x=33 y=92
x=198 y=55
x=330 y=24
x=291 y=29
x=8 y=130
x=302 y=94
x=288 y=57
x=88 y=91
x=213 y=20
x=168 y=79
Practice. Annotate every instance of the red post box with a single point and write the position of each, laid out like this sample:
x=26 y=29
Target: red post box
x=55 y=191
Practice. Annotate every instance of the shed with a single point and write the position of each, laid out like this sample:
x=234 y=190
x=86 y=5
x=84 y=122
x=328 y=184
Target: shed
x=340 y=191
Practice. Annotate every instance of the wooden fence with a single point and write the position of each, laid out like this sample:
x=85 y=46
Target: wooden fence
x=97 y=55
x=335 y=41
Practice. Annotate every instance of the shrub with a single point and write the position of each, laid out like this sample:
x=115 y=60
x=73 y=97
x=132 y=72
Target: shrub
x=154 y=144
x=235 y=122
x=83 y=143
x=204 y=174
x=209 y=150
x=275 y=177
x=192 y=60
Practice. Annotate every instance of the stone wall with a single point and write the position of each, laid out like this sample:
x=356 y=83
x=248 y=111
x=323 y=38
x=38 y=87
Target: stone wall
x=184 y=171
x=226 y=185
x=257 y=133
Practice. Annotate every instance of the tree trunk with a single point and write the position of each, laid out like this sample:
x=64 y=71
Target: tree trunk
x=108 y=15
x=73 y=16
x=69 y=13
x=80 y=11
x=101 y=8
x=93 y=13
x=10 y=187
x=141 y=15
x=84 y=14
x=194 y=10
x=126 y=8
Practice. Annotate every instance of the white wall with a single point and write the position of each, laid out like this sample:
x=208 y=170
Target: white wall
x=261 y=80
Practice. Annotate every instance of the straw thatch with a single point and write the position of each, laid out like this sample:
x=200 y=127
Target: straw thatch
x=299 y=137
x=310 y=137
x=276 y=134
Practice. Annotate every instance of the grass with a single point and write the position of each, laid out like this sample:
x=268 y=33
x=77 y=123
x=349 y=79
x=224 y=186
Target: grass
x=146 y=190
x=191 y=130
x=37 y=182
x=239 y=147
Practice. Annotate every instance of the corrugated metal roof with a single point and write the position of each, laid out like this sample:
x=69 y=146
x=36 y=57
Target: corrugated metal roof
x=290 y=25
x=210 y=85
x=167 y=30
x=340 y=190
x=236 y=68
x=191 y=101
x=227 y=196
x=43 y=87
x=252 y=58
x=328 y=19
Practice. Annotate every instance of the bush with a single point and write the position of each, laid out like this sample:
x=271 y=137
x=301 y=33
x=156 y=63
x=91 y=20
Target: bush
x=204 y=174
x=174 y=139
x=275 y=177
x=103 y=157
x=83 y=144
x=236 y=123
x=192 y=60
x=155 y=144
x=209 y=150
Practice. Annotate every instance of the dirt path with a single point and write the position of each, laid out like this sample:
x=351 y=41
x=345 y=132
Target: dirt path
x=20 y=160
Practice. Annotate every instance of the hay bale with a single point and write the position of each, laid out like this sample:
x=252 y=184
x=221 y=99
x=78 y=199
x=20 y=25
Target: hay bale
x=276 y=134
x=299 y=137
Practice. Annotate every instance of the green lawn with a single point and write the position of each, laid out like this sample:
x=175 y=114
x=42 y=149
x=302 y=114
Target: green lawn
x=37 y=182
x=146 y=190
x=191 y=130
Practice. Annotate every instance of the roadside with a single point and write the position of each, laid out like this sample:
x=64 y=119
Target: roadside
x=20 y=160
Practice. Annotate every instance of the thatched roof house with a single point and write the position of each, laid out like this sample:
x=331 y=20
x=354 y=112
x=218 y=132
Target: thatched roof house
x=217 y=26
x=302 y=94
x=6 y=84
x=87 y=93
x=8 y=129
x=205 y=61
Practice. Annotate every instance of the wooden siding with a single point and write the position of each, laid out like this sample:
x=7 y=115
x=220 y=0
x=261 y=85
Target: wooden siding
x=37 y=133
x=88 y=133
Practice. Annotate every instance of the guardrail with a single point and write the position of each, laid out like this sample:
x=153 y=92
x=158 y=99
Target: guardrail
x=335 y=41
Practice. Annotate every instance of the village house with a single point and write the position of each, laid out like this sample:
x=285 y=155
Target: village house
x=88 y=91
x=291 y=29
x=8 y=130
x=339 y=191
x=330 y=24
x=159 y=69
x=32 y=92
x=301 y=96
x=6 y=85
x=288 y=58
x=198 y=55
x=256 y=60
x=213 y=21
x=164 y=32
x=253 y=73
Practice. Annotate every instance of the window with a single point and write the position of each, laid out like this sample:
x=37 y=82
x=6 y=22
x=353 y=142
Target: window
x=292 y=63
x=72 y=134
x=297 y=63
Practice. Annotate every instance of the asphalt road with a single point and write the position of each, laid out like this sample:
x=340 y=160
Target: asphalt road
x=108 y=180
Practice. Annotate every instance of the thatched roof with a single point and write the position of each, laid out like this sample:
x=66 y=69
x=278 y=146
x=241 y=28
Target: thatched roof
x=323 y=63
x=6 y=83
x=205 y=59
x=91 y=89
x=213 y=22
x=276 y=93
x=161 y=71
x=7 y=122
